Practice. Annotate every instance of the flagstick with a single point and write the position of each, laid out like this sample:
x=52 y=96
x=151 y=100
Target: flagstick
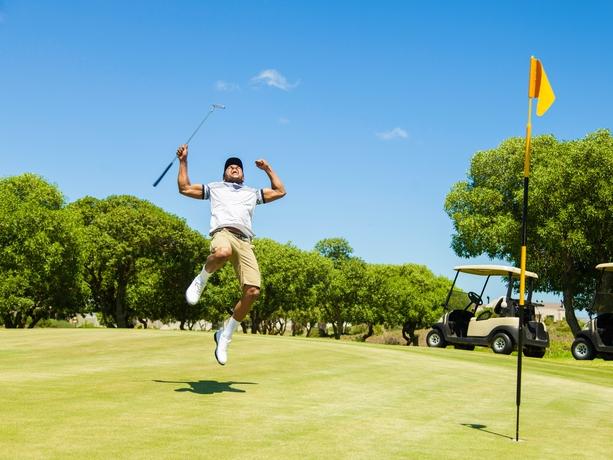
x=522 y=278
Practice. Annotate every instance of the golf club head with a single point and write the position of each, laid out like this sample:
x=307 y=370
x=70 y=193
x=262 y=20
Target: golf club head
x=218 y=106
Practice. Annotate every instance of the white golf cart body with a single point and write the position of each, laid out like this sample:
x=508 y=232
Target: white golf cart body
x=495 y=325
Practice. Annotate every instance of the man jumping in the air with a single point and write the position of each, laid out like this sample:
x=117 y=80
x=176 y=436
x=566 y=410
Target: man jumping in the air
x=232 y=206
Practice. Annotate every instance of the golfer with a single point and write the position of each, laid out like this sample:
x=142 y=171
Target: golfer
x=232 y=206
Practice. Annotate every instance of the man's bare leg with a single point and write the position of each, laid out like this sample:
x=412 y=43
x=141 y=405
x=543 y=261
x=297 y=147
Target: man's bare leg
x=223 y=337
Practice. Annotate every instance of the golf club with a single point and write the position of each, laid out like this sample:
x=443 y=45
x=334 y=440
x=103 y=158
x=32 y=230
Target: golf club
x=211 y=110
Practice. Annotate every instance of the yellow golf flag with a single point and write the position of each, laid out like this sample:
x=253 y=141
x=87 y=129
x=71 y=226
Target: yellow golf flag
x=539 y=87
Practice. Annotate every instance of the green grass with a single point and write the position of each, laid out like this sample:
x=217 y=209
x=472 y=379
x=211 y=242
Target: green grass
x=97 y=393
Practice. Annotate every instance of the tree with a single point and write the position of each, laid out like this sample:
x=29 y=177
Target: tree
x=312 y=278
x=374 y=298
x=139 y=259
x=338 y=251
x=335 y=249
x=290 y=277
x=344 y=293
x=220 y=295
x=417 y=298
x=569 y=216
x=158 y=290
x=40 y=254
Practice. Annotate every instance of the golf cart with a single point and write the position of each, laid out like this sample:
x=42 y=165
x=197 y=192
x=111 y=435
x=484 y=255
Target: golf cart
x=497 y=326
x=596 y=338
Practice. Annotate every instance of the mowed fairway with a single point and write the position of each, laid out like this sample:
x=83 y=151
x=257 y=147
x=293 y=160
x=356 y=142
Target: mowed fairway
x=94 y=393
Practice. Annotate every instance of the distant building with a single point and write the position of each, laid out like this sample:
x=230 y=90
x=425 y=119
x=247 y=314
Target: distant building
x=552 y=311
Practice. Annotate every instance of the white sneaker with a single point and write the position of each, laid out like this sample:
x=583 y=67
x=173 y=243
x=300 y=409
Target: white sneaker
x=194 y=291
x=221 y=349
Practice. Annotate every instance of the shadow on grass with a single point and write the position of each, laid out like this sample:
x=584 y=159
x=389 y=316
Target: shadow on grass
x=477 y=426
x=209 y=387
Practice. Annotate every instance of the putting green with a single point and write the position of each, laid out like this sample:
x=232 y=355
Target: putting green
x=98 y=393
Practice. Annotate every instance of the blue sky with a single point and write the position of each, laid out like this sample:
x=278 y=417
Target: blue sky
x=369 y=111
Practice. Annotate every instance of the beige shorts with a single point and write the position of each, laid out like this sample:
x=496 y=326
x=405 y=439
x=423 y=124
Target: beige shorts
x=242 y=258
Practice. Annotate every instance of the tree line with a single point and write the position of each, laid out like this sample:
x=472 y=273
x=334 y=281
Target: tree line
x=130 y=262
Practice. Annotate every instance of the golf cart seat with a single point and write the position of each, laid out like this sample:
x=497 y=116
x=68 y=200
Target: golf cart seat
x=459 y=320
x=604 y=325
x=498 y=307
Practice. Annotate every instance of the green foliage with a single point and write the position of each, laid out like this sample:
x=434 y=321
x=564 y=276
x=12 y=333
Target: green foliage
x=458 y=299
x=569 y=214
x=55 y=324
x=40 y=255
x=345 y=294
x=129 y=261
x=158 y=291
x=408 y=295
x=335 y=249
x=292 y=284
x=221 y=294
x=138 y=259
x=418 y=297
x=560 y=339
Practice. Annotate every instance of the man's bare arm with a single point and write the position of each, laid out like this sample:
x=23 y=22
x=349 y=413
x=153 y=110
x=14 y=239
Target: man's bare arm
x=277 y=189
x=185 y=186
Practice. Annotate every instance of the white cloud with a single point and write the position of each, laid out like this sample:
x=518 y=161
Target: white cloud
x=283 y=121
x=396 y=133
x=227 y=86
x=271 y=77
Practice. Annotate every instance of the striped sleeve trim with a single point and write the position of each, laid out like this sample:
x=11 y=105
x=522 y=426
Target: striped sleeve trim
x=206 y=192
x=260 y=195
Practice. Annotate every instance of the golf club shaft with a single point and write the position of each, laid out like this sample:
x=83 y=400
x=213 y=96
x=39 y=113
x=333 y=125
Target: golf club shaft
x=211 y=110
x=164 y=173
x=201 y=123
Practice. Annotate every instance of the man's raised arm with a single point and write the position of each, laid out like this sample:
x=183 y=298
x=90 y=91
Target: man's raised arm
x=277 y=189
x=185 y=186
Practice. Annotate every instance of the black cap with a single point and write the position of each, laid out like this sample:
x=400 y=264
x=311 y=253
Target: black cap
x=233 y=161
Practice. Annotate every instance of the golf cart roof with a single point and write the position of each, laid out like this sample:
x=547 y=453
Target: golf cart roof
x=494 y=270
x=608 y=267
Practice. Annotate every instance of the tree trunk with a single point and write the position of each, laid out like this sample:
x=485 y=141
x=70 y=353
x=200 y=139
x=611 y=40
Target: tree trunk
x=571 y=319
x=120 y=312
x=408 y=332
x=8 y=321
x=371 y=331
x=255 y=322
x=337 y=329
x=282 y=326
x=16 y=321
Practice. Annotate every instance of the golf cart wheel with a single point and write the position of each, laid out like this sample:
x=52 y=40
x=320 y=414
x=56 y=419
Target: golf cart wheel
x=435 y=339
x=534 y=352
x=501 y=344
x=582 y=349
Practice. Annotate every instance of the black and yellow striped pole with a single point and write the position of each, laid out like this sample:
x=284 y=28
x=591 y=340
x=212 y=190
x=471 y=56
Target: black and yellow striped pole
x=538 y=88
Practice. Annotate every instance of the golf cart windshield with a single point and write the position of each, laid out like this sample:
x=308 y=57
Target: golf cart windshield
x=603 y=299
x=458 y=299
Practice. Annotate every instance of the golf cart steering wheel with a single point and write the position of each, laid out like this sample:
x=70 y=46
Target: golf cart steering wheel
x=475 y=298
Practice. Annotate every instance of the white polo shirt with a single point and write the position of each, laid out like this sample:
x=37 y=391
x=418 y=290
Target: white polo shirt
x=232 y=205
